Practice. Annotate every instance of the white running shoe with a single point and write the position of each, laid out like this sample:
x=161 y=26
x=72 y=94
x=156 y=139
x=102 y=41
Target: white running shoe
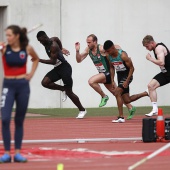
x=119 y=120
x=81 y=114
x=64 y=96
x=152 y=113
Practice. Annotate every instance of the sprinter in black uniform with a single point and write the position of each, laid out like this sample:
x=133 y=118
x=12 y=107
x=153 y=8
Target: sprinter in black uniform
x=62 y=69
x=162 y=59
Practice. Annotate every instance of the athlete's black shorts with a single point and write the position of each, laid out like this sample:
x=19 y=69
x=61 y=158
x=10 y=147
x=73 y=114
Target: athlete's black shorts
x=64 y=72
x=121 y=79
x=108 y=78
x=162 y=78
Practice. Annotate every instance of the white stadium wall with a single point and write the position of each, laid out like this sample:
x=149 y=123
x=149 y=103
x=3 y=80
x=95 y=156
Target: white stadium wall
x=125 y=22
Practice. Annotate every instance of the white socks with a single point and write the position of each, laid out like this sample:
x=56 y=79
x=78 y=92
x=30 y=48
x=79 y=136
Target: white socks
x=155 y=107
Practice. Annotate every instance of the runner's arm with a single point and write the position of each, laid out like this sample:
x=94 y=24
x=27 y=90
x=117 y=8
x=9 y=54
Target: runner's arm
x=112 y=71
x=129 y=64
x=64 y=51
x=83 y=55
x=160 y=61
x=53 y=56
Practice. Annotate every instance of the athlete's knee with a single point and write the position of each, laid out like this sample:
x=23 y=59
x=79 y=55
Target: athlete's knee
x=151 y=87
x=91 y=82
x=116 y=93
x=68 y=91
x=126 y=101
x=44 y=83
x=126 y=98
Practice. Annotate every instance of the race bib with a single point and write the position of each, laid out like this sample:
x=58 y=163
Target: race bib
x=163 y=69
x=119 y=66
x=58 y=62
x=100 y=68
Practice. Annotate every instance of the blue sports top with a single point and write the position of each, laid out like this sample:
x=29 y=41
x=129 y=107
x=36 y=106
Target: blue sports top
x=14 y=63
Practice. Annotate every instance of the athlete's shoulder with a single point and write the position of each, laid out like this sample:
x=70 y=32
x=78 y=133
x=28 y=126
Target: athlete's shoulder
x=101 y=50
x=29 y=49
x=159 y=48
x=54 y=42
x=54 y=39
x=117 y=46
x=124 y=55
x=123 y=52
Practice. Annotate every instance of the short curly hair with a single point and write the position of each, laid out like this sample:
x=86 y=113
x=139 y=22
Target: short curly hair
x=108 y=44
x=41 y=34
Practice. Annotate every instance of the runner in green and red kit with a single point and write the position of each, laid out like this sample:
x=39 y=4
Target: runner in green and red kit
x=123 y=66
x=97 y=54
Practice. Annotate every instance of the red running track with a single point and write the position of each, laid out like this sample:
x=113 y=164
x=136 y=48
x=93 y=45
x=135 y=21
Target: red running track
x=84 y=156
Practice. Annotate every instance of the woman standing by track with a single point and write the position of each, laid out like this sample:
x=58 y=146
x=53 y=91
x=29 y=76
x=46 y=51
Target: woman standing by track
x=15 y=87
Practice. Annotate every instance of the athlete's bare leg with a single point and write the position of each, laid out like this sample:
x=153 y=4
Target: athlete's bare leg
x=129 y=99
x=152 y=86
x=74 y=98
x=94 y=83
x=101 y=78
x=46 y=82
x=118 y=97
x=110 y=88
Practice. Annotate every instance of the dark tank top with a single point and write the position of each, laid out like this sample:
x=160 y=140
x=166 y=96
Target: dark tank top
x=166 y=67
x=60 y=57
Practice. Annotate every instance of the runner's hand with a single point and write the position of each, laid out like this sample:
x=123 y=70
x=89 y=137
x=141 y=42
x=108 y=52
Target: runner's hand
x=148 y=57
x=125 y=84
x=77 y=46
x=28 y=76
x=65 y=52
x=2 y=44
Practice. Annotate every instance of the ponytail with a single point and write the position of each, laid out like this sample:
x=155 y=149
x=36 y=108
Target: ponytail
x=23 y=38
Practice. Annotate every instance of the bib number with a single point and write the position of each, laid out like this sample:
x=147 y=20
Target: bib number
x=119 y=66
x=163 y=69
x=100 y=68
